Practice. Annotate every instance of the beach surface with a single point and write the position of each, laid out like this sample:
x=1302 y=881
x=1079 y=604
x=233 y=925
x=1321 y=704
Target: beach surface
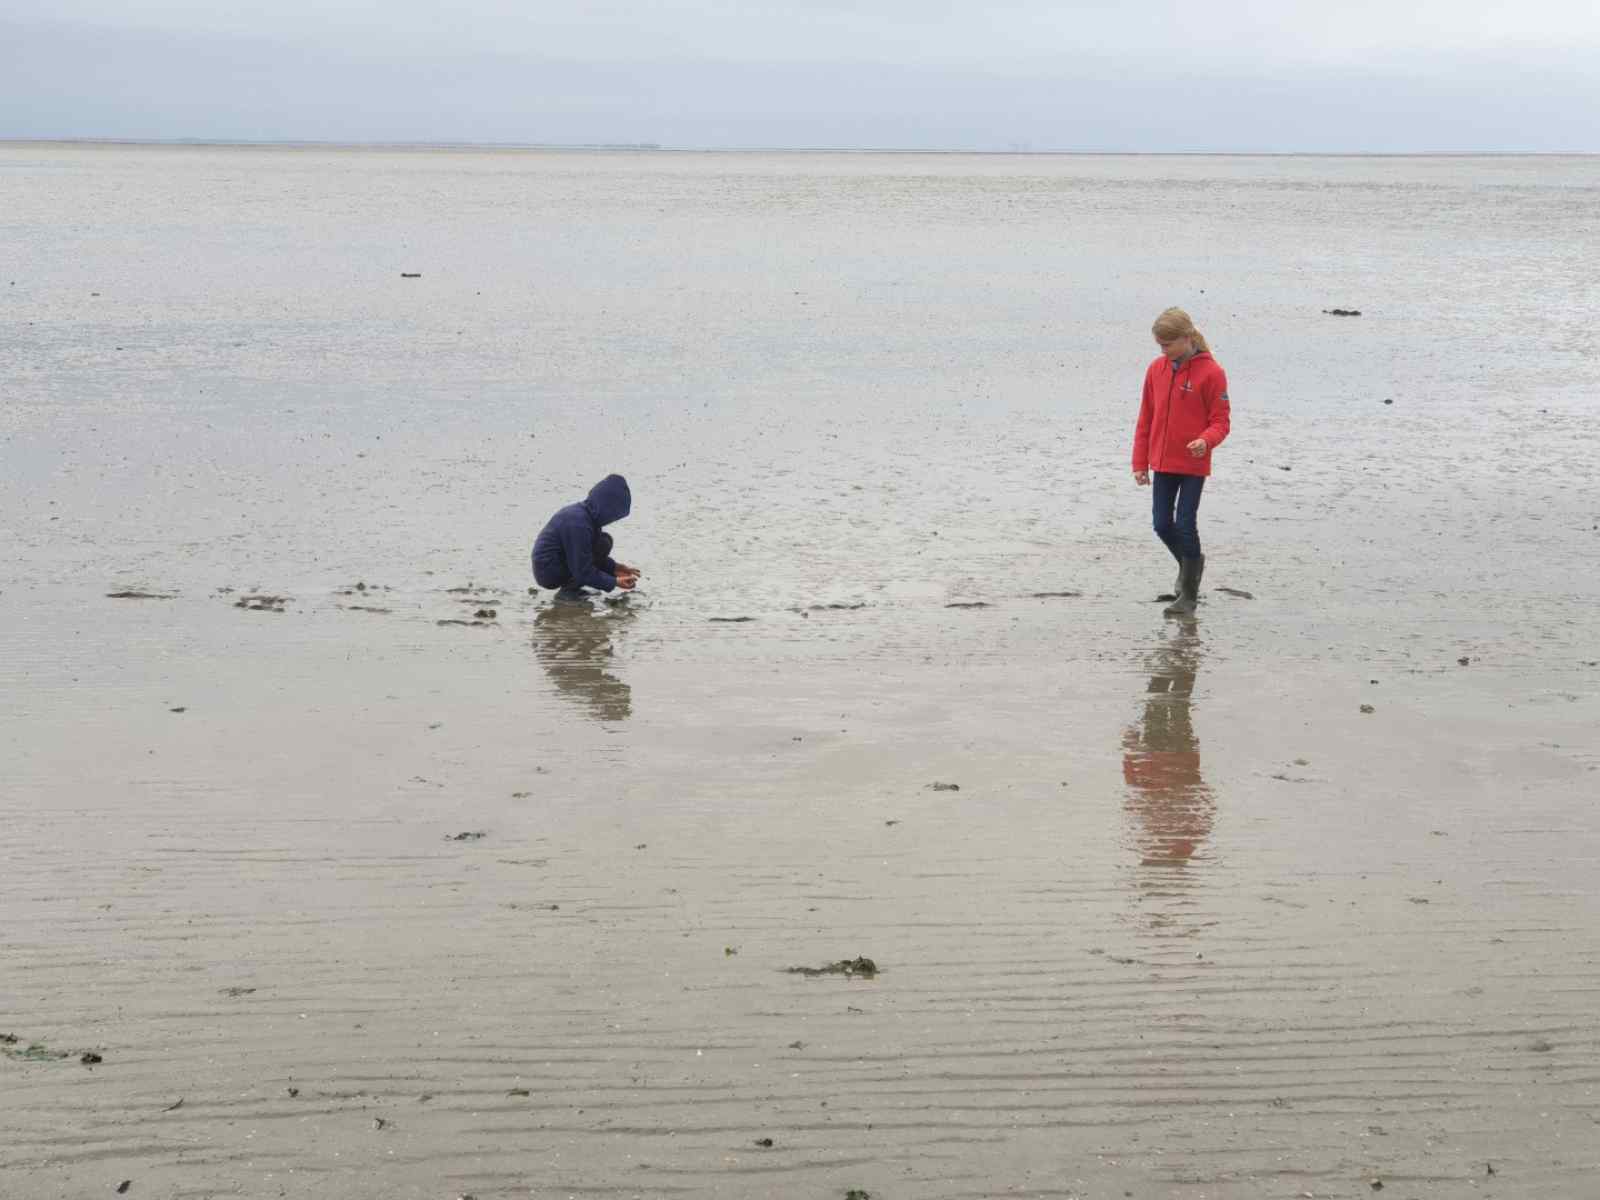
x=316 y=882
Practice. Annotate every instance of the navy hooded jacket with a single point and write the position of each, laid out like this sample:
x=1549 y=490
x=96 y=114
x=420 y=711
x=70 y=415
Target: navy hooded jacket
x=567 y=552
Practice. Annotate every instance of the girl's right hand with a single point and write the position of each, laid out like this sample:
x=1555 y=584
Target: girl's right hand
x=1142 y=478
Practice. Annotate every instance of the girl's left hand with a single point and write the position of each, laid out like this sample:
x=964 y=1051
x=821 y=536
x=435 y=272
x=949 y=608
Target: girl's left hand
x=1198 y=447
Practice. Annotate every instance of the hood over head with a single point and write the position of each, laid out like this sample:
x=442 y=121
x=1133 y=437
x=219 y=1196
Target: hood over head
x=609 y=500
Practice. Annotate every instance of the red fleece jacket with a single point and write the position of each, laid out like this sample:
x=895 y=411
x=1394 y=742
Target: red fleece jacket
x=1179 y=406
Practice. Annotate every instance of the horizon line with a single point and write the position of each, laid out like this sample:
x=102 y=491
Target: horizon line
x=660 y=148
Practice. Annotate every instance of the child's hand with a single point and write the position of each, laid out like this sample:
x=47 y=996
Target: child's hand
x=1142 y=478
x=625 y=569
x=1198 y=447
x=626 y=582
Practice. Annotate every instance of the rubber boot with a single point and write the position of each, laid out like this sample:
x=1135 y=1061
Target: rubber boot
x=1188 y=590
x=1177 y=587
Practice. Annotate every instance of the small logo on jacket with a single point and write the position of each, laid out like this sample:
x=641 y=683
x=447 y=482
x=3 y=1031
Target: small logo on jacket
x=1186 y=386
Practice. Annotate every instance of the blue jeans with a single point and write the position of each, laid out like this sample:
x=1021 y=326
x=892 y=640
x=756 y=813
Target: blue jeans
x=1175 y=500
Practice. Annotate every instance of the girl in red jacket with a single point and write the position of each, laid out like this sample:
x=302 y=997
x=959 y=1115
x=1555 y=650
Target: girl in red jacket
x=1182 y=419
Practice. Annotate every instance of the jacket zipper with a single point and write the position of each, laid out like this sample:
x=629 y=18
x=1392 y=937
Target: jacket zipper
x=1166 y=428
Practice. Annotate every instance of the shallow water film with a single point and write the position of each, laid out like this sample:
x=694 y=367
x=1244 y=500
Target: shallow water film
x=887 y=840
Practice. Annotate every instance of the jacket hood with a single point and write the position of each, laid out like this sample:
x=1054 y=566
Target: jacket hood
x=609 y=500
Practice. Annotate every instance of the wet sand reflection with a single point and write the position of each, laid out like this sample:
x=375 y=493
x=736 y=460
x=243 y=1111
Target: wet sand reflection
x=573 y=644
x=1169 y=805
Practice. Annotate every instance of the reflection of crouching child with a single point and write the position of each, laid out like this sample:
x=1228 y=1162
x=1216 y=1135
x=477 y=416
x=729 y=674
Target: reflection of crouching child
x=573 y=551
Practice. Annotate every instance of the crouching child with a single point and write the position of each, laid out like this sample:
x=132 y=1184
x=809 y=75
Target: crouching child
x=573 y=550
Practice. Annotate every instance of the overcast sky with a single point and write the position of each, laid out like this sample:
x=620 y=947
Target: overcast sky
x=1151 y=75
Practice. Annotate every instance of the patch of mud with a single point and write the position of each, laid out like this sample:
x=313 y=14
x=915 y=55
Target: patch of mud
x=1056 y=595
x=261 y=603
x=466 y=835
x=944 y=787
x=730 y=620
x=968 y=604
x=136 y=595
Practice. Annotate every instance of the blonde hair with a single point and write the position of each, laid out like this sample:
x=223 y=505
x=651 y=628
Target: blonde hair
x=1175 y=323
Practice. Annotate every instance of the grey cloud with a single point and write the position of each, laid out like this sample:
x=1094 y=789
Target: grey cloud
x=61 y=81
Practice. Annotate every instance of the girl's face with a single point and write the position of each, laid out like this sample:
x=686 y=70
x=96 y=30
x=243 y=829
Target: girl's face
x=1177 y=348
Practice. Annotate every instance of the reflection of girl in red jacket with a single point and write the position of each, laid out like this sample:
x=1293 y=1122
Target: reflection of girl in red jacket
x=1168 y=798
x=1183 y=417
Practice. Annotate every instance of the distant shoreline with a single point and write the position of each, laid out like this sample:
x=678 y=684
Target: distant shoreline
x=657 y=148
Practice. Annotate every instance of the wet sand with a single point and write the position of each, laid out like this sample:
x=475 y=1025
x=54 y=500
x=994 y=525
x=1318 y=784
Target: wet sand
x=1190 y=923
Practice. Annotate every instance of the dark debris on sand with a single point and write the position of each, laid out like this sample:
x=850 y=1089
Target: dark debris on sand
x=261 y=603
x=137 y=595
x=466 y=835
x=13 y=1047
x=848 y=967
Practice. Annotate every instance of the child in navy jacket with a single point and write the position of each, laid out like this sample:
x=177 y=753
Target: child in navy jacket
x=573 y=550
